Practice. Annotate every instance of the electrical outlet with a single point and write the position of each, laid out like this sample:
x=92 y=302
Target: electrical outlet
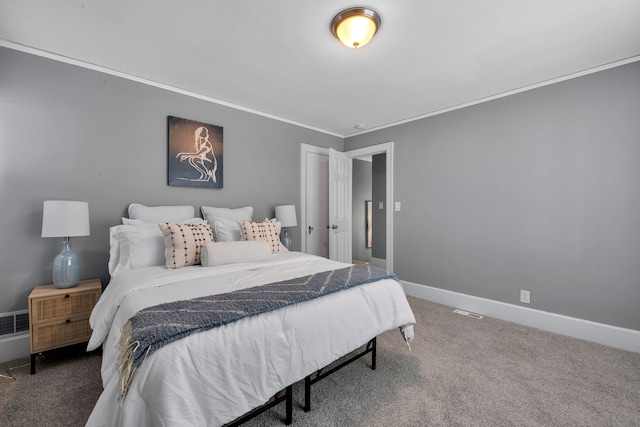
x=525 y=297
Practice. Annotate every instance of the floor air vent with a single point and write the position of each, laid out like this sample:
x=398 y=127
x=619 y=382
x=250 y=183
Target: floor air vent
x=468 y=313
x=14 y=323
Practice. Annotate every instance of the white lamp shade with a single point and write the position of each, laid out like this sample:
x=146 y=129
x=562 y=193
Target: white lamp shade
x=286 y=215
x=63 y=218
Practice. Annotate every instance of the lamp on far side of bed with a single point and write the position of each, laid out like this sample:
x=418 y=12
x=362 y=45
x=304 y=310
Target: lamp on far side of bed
x=62 y=218
x=286 y=214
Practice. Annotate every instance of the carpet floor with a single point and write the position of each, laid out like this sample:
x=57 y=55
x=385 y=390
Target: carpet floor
x=460 y=371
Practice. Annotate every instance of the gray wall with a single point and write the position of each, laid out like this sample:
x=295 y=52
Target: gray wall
x=72 y=133
x=379 y=179
x=361 y=192
x=537 y=191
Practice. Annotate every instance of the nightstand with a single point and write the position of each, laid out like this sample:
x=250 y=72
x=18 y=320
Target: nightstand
x=60 y=317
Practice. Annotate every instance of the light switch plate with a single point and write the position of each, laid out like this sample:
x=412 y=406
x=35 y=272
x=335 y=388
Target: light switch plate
x=397 y=207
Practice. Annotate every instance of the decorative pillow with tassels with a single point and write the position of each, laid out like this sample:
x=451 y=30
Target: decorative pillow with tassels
x=183 y=243
x=268 y=230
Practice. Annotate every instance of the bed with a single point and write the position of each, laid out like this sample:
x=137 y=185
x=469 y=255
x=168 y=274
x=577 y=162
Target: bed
x=215 y=376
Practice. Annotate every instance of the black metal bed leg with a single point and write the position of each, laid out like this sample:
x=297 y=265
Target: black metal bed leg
x=373 y=353
x=307 y=393
x=289 y=403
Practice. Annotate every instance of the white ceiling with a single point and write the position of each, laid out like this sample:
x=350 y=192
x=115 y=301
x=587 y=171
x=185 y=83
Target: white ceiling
x=279 y=57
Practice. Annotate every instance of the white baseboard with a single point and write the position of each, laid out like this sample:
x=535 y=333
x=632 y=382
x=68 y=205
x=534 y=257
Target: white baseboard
x=14 y=347
x=611 y=336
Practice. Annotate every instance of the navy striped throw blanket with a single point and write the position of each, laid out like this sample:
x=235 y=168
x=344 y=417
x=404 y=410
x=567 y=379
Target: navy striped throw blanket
x=154 y=327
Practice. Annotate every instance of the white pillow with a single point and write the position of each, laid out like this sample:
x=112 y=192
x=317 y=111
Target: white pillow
x=114 y=251
x=128 y=221
x=138 y=244
x=160 y=214
x=226 y=230
x=220 y=253
x=225 y=221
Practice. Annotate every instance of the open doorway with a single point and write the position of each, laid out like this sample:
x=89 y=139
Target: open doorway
x=382 y=200
x=314 y=172
x=369 y=227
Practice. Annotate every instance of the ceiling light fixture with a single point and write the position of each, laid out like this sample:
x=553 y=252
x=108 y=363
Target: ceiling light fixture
x=356 y=26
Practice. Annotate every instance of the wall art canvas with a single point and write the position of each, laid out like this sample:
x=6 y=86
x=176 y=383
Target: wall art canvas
x=195 y=154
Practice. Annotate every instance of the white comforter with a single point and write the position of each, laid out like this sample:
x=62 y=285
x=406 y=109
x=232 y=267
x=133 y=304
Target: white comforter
x=213 y=377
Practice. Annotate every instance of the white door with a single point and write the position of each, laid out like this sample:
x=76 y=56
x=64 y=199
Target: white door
x=316 y=208
x=339 y=206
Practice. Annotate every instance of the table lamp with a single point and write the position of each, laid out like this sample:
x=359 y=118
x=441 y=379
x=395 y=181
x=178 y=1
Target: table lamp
x=287 y=216
x=62 y=218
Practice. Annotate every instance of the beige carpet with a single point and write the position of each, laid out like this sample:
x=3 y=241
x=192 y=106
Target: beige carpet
x=460 y=372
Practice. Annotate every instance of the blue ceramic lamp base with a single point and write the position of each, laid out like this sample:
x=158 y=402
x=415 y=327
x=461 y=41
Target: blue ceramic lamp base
x=285 y=239
x=66 y=268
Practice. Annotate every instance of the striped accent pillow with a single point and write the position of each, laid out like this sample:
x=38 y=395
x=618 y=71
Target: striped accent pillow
x=268 y=230
x=183 y=243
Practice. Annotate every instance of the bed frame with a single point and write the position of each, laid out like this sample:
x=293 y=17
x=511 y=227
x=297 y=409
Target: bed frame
x=277 y=399
x=287 y=396
x=309 y=381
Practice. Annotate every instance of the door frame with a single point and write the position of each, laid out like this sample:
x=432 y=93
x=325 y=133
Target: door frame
x=386 y=148
x=383 y=148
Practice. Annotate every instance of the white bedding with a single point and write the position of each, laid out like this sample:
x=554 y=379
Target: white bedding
x=213 y=377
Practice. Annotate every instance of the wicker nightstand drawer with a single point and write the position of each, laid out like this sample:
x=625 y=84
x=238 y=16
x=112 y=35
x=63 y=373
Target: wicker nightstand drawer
x=53 y=335
x=60 y=317
x=46 y=309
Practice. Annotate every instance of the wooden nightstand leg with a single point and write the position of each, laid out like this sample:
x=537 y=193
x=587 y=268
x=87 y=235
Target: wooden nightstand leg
x=33 y=364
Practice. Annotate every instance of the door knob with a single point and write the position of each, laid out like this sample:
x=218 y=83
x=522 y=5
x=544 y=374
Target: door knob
x=310 y=229
x=333 y=227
